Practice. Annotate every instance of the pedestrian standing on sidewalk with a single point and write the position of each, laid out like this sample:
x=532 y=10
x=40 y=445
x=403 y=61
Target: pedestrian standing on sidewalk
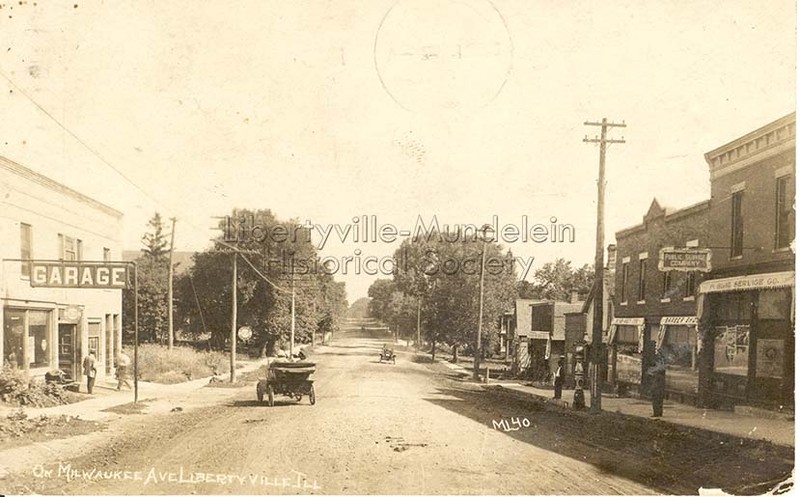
x=90 y=371
x=558 y=378
x=658 y=384
x=123 y=364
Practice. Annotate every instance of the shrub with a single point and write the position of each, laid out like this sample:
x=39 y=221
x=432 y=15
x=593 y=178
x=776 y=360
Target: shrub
x=16 y=387
x=161 y=365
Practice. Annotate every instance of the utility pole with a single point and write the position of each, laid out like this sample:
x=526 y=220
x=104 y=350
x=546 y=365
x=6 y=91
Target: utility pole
x=291 y=342
x=597 y=319
x=419 y=313
x=233 y=320
x=476 y=360
x=169 y=287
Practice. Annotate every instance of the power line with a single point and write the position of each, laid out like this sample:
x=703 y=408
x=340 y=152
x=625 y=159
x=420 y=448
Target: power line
x=78 y=138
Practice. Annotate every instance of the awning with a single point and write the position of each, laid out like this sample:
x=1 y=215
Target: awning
x=672 y=321
x=638 y=322
x=765 y=281
x=540 y=335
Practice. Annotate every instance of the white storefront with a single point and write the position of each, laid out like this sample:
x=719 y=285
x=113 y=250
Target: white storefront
x=54 y=328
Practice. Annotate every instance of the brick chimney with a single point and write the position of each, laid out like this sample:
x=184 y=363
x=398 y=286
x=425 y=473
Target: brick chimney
x=573 y=297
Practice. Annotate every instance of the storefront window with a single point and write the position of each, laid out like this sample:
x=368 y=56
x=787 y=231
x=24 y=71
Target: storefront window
x=731 y=350
x=27 y=337
x=629 y=360
x=13 y=334
x=679 y=350
x=38 y=338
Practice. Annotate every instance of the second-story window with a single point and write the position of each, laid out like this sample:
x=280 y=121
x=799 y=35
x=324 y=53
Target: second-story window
x=689 y=286
x=624 y=289
x=71 y=248
x=642 y=279
x=737 y=224
x=784 y=211
x=25 y=248
x=666 y=283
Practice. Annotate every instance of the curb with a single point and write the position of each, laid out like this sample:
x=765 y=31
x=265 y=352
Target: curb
x=528 y=396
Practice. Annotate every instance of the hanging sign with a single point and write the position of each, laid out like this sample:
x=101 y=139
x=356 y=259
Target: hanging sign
x=73 y=274
x=684 y=259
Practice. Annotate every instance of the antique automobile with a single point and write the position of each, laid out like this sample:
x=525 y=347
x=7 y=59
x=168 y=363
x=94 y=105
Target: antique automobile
x=387 y=355
x=287 y=378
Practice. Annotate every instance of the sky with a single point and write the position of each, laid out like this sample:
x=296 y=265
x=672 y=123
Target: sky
x=325 y=110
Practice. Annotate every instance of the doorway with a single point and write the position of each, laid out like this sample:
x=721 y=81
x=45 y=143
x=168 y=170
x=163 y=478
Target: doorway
x=68 y=350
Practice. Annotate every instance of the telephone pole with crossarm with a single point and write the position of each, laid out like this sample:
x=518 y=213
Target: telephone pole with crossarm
x=597 y=350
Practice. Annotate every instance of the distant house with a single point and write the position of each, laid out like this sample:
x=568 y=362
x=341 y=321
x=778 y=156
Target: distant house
x=520 y=330
x=548 y=333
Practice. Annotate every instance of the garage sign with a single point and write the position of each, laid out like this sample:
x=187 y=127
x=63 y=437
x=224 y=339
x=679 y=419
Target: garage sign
x=70 y=274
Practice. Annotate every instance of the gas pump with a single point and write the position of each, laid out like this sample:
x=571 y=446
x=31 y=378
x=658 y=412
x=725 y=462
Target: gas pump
x=579 y=402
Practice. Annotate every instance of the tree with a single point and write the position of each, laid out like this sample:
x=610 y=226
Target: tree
x=359 y=308
x=380 y=294
x=443 y=277
x=556 y=280
x=155 y=241
x=279 y=263
x=153 y=272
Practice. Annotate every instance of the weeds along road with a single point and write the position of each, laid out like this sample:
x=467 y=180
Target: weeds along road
x=409 y=428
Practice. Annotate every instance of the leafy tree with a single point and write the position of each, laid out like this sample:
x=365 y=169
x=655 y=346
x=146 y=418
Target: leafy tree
x=380 y=294
x=359 y=308
x=444 y=276
x=556 y=280
x=276 y=259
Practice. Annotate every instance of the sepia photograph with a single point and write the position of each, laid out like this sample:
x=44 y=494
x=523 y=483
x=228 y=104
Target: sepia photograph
x=397 y=247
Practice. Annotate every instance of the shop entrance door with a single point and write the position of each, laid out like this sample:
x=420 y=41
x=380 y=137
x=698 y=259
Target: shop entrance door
x=67 y=350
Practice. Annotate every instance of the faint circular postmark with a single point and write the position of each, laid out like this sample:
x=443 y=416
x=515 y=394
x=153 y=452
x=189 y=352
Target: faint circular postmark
x=436 y=56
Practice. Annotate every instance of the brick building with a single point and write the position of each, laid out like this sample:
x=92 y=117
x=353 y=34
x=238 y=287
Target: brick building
x=656 y=309
x=747 y=308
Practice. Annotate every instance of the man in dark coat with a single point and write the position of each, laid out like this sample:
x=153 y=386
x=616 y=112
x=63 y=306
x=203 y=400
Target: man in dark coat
x=89 y=370
x=658 y=384
x=558 y=379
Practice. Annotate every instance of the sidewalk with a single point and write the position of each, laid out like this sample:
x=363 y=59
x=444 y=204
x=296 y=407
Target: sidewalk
x=107 y=396
x=751 y=425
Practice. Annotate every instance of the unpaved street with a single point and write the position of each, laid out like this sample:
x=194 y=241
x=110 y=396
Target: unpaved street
x=409 y=428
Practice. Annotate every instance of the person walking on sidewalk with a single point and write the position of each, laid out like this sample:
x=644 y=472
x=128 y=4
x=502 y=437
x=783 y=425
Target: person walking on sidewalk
x=658 y=384
x=90 y=371
x=123 y=364
x=558 y=378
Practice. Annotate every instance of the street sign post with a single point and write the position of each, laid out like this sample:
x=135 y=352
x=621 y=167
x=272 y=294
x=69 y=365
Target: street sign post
x=245 y=333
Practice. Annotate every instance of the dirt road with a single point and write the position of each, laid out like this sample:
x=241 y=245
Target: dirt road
x=378 y=428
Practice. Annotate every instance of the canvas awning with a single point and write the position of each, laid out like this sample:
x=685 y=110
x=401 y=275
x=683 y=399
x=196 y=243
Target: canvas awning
x=672 y=321
x=763 y=281
x=638 y=322
x=766 y=281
